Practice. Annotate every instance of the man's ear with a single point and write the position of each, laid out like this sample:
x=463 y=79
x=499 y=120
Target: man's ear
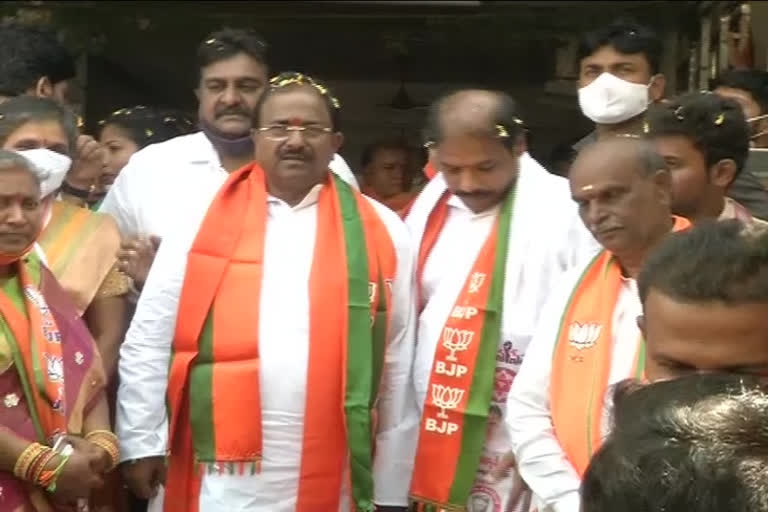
x=656 y=88
x=641 y=324
x=723 y=173
x=337 y=141
x=663 y=180
x=44 y=88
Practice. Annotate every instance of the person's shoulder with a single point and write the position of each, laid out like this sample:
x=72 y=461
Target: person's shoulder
x=181 y=147
x=398 y=232
x=104 y=222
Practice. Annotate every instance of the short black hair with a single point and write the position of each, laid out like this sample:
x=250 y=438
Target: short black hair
x=627 y=37
x=21 y=110
x=28 y=54
x=505 y=121
x=146 y=125
x=289 y=80
x=715 y=125
x=715 y=261
x=226 y=43
x=694 y=444
x=369 y=152
x=753 y=81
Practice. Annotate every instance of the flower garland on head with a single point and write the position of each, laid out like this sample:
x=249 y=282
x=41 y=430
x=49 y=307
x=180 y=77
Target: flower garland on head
x=293 y=78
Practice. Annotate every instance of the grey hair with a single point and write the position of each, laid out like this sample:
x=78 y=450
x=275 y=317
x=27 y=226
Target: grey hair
x=13 y=160
x=650 y=160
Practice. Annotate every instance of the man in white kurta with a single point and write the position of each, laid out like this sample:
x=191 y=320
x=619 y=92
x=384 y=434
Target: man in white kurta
x=546 y=238
x=167 y=184
x=284 y=330
x=622 y=188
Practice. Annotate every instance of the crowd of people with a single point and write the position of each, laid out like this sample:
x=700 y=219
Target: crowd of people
x=219 y=314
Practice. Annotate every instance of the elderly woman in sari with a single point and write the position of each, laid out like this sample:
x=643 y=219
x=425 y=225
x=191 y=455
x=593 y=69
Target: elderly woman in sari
x=78 y=245
x=51 y=377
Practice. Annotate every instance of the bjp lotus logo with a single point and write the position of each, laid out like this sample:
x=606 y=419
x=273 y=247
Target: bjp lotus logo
x=582 y=336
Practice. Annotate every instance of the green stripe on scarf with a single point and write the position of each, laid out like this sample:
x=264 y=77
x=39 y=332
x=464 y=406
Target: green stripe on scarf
x=359 y=390
x=479 y=402
x=201 y=387
x=12 y=289
x=379 y=341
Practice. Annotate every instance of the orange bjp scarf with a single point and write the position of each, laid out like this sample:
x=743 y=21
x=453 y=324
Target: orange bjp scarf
x=213 y=392
x=583 y=356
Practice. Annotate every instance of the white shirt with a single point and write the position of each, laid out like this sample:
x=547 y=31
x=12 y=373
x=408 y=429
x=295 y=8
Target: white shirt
x=173 y=182
x=283 y=345
x=540 y=458
x=546 y=239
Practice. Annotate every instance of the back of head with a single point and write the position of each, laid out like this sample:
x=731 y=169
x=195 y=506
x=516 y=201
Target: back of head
x=626 y=37
x=712 y=262
x=475 y=111
x=145 y=125
x=694 y=444
x=18 y=111
x=752 y=81
x=28 y=54
x=715 y=125
x=228 y=42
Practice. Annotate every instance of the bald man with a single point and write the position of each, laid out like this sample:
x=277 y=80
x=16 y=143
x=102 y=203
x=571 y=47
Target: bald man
x=495 y=232
x=588 y=338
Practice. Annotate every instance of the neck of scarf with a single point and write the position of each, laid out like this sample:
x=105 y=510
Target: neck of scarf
x=215 y=351
x=584 y=354
x=454 y=423
x=35 y=343
x=230 y=146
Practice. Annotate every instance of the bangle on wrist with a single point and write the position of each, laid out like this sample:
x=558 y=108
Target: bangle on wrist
x=108 y=442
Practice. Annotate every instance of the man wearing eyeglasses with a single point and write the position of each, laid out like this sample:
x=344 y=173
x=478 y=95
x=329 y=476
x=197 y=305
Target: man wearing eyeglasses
x=279 y=331
x=174 y=182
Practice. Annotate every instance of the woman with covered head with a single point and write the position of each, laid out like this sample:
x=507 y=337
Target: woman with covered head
x=55 y=446
x=79 y=246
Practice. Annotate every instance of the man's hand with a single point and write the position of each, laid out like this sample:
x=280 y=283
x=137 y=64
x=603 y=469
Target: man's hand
x=136 y=255
x=144 y=476
x=88 y=164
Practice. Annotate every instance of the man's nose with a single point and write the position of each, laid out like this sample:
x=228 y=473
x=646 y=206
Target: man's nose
x=595 y=213
x=14 y=214
x=467 y=182
x=230 y=96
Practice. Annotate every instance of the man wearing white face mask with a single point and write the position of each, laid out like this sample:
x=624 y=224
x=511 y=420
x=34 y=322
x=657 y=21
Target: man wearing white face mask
x=78 y=245
x=619 y=76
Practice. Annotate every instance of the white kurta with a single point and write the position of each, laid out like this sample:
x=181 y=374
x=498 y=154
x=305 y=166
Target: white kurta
x=284 y=346
x=173 y=182
x=546 y=239
x=540 y=458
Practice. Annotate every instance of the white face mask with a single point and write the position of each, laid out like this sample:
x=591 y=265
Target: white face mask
x=51 y=168
x=611 y=100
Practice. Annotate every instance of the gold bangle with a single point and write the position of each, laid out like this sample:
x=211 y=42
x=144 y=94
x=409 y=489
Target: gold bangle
x=45 y=459
x=107 y=441
x=27 y=458
x=96 y=433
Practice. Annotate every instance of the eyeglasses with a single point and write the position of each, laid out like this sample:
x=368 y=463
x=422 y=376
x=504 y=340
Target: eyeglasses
x=281 y=132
